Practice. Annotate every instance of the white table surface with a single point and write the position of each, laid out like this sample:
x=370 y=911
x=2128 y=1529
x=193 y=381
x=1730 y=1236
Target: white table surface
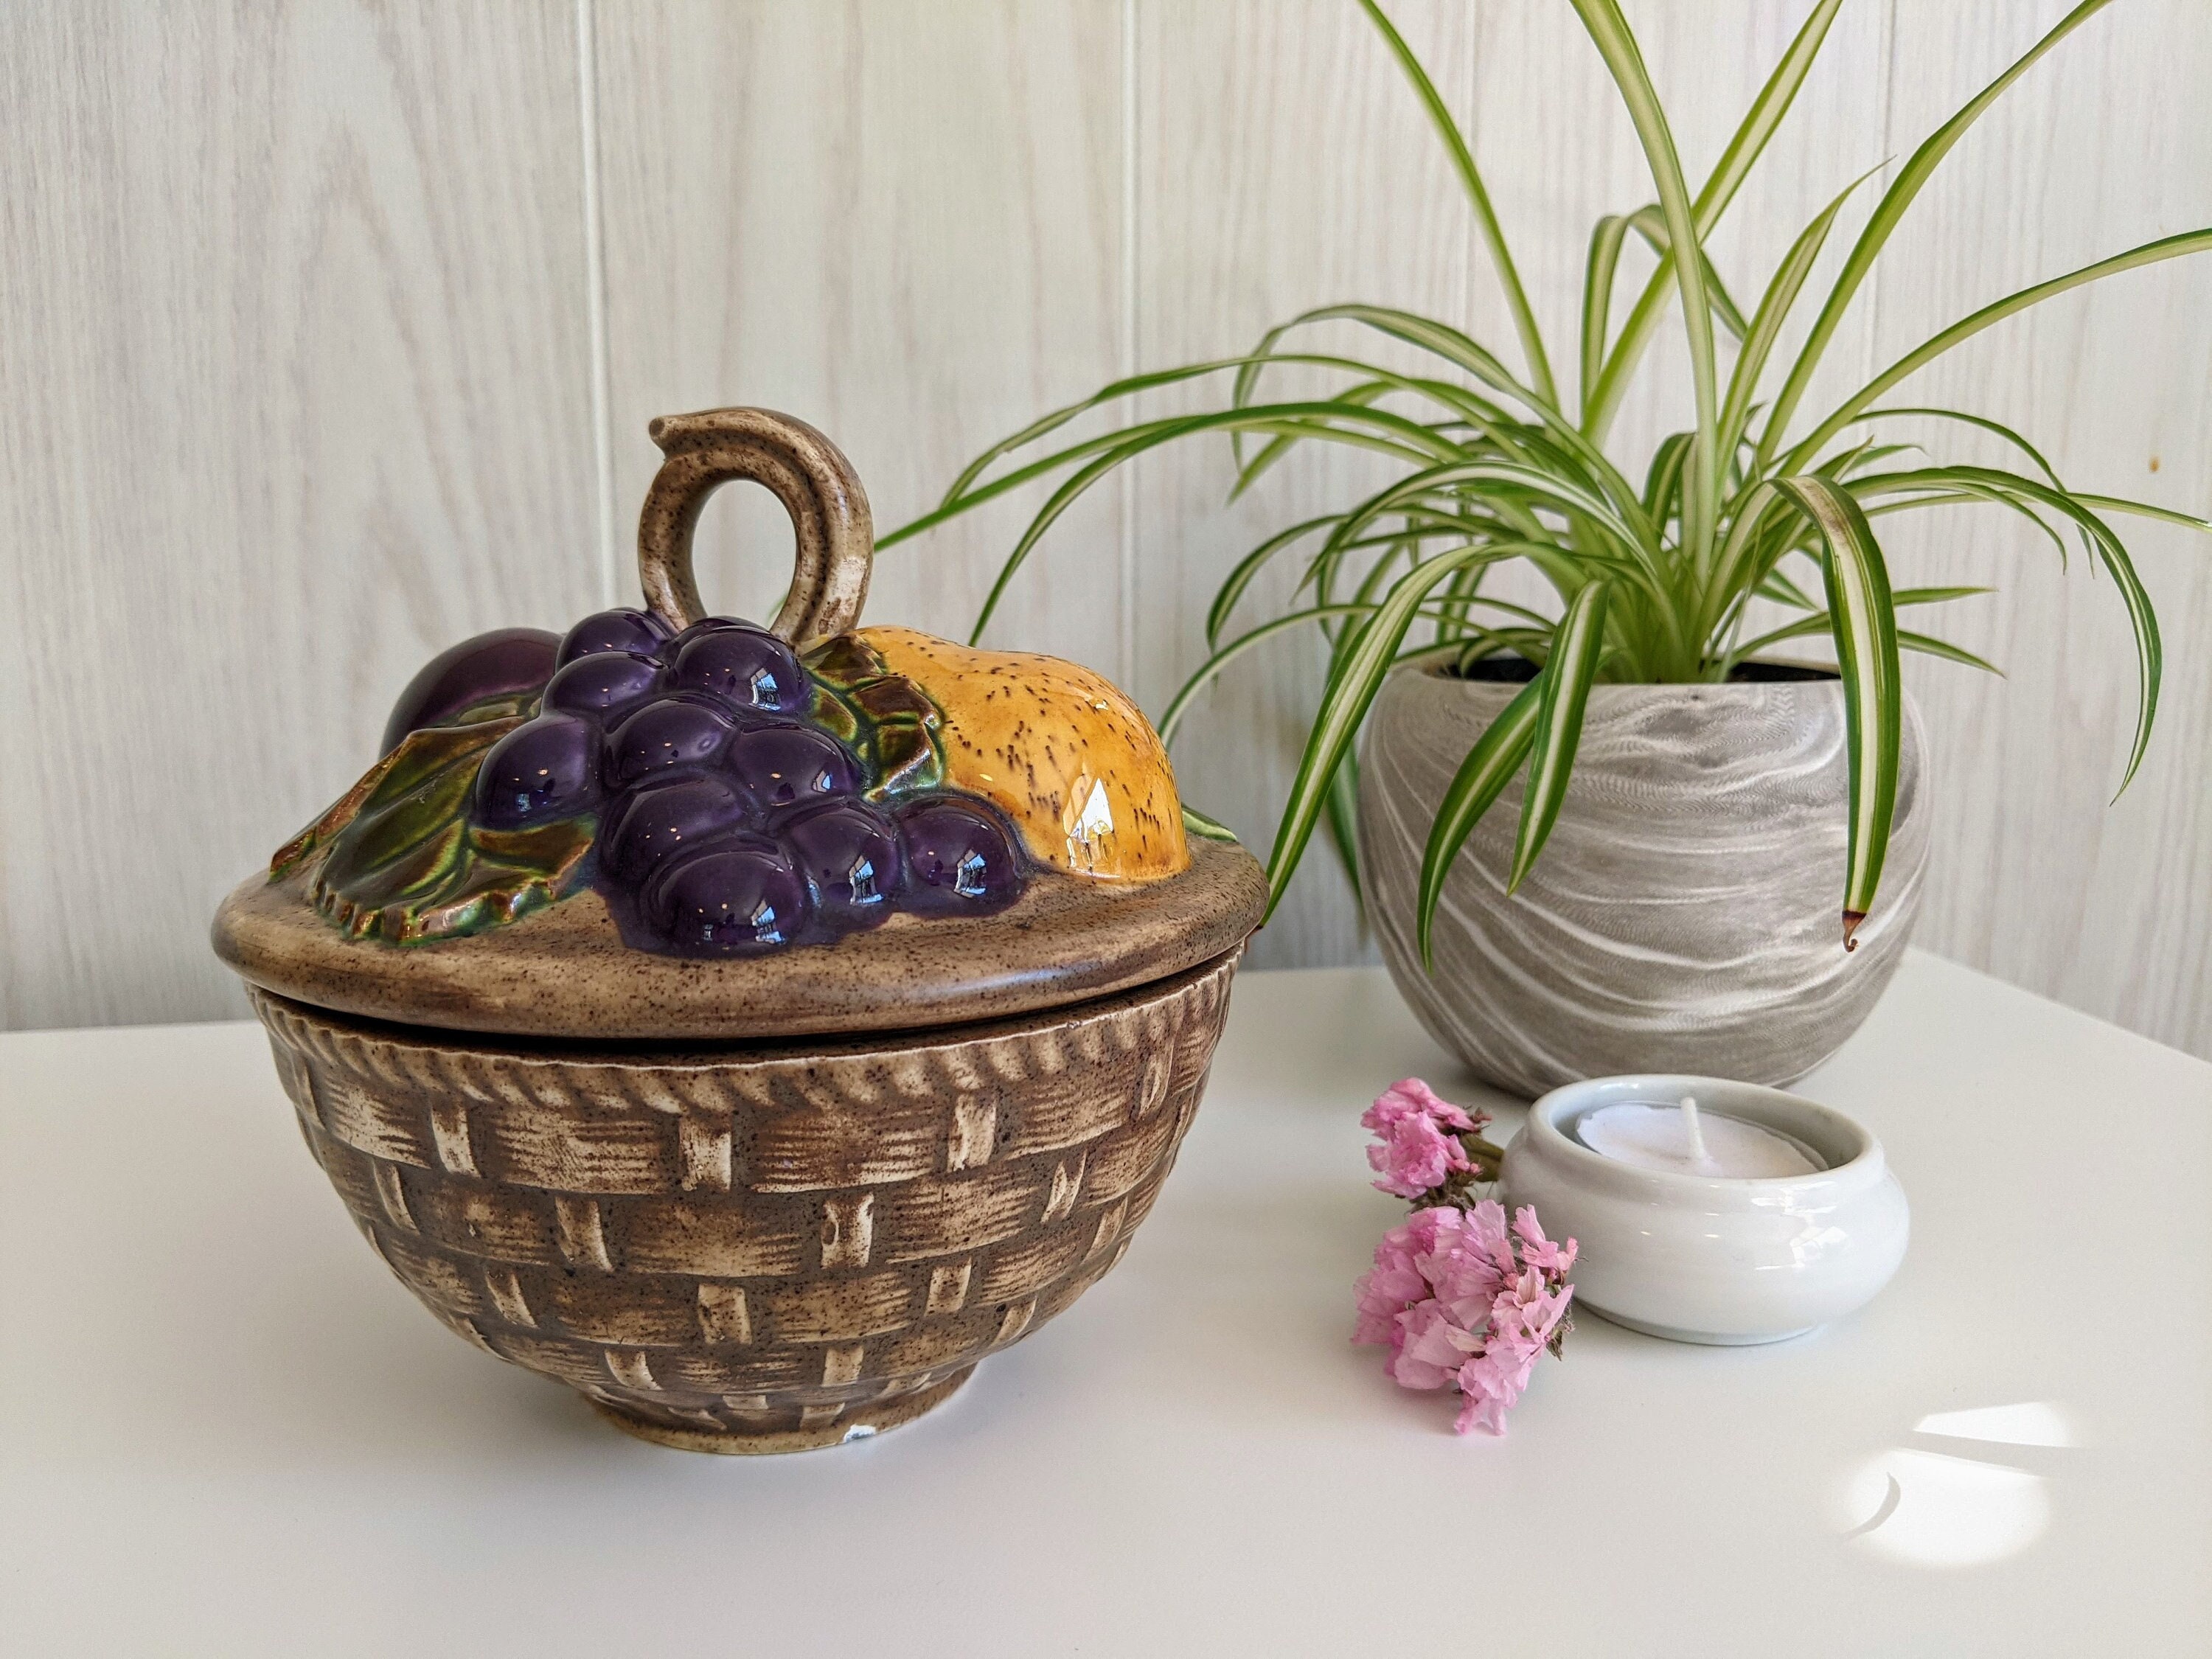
x=225 y=1428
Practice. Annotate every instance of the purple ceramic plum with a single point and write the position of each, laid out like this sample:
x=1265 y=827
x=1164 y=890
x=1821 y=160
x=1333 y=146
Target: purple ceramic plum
x=505 y=660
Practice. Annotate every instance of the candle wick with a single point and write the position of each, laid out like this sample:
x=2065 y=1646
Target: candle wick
x=1696 y=1132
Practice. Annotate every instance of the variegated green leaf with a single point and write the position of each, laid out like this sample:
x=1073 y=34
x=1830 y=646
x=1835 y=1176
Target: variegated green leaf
x=1493 y=235
x=1195 y=823
x=1577 y=650
x=1701 y=472
x=1929 y=646
x=1889 y=213
x=1773 y=311
x=1865 y=623
x=2165 y=247
x=1744 y=149
x=2013 y=490
x=1344 y=705
x=1490 y=765
x=1598 y=269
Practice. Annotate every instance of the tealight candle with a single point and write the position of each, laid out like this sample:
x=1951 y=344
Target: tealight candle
x=1686 y=1142
x=1758 y=1220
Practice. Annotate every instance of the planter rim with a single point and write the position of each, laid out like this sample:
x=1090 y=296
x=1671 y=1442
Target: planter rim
x=1826 y=677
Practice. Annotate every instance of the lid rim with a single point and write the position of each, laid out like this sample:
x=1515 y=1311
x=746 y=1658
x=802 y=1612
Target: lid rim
x=564 y=974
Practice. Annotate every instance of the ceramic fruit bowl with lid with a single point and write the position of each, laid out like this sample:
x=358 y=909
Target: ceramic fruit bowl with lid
x=750 y=1028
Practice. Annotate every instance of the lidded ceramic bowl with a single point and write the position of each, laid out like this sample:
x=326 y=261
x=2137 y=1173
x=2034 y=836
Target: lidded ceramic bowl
x=779 y=1198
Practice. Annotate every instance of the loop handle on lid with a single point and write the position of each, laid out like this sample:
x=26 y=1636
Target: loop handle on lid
x=834 y=532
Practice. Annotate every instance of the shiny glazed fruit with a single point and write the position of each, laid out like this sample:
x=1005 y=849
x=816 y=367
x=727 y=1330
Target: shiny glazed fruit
x=732 y=897
x=959 y=857
x=503 y=661
x=605 y=685
x=673 y=732
x=544 y=770
x=613 y=630
x=789 y=765
x=850 y=855
x=659 y=822
x=747 y=667
x=699 y=629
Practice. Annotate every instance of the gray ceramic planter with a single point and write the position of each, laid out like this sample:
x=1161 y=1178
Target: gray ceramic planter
x=1685 y=914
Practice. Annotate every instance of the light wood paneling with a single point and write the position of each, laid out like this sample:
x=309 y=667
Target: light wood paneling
x=2104 y=145
x=1281 y=164
x=294 y=394
x=901 y=223
x=299 y=380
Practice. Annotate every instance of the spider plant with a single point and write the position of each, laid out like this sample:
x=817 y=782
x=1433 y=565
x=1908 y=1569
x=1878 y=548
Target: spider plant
x=1652 y=581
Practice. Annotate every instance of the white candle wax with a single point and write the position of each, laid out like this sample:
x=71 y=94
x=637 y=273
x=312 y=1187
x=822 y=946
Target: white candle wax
x=1686 y=1141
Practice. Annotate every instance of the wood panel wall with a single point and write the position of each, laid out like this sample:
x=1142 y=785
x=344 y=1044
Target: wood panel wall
x=331 y=330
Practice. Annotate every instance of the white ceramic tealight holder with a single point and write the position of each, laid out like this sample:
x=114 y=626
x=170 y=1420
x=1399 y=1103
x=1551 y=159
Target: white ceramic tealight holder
x=1669 y=1249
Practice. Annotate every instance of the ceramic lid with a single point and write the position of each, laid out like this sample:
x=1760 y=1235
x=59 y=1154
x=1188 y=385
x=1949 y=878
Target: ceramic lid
x=564 y=970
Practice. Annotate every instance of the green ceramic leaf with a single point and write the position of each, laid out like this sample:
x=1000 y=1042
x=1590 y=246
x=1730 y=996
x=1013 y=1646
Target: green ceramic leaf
x=889 y=720
x=400 y=861
x=400 y=775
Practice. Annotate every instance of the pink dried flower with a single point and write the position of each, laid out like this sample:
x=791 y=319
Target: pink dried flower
x=1412 y=1156
x=1460 y=1299
x=1491 y=1385
x=1537 y=1250
x=1461 y=1269
x=1395 y=1282
x=1413 y=1153
x=1430 y=1348
x=1411 y=1097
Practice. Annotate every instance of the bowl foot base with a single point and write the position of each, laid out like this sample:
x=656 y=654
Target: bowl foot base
x=1703 y=1339
x=858 y=1422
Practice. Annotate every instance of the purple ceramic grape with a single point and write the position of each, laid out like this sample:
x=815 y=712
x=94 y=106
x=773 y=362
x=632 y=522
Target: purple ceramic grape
x=657 y=823
x=705 y=625
x=605 y=685
x=614 y=630
x=850 y=853
x=748 y=667
x=544 y=770
x=786 y=764
x=736 y=897
x=960 y=857
x=506 y=659
x=667 y=735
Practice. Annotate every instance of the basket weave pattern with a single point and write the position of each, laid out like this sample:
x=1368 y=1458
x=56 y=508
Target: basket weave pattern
x=755 y=1242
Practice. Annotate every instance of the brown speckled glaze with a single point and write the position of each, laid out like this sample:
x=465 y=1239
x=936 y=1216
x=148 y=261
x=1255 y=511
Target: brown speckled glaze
x=765 y=1203
x=565 y=972
x=833 y=534
x=762 y=1249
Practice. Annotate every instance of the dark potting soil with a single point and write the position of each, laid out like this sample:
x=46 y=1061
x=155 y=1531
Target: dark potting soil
x=1518 y=670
